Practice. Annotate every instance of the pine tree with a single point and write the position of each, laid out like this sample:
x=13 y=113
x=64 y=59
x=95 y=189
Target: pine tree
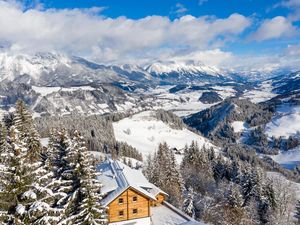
x=83 y=207
x=234 y=197
x=188 y=203
x=4 y=170
x=23 y=122
x=21 y=188
x=19 y=191
x=61 y=181
x=166 y=174
x=297 y=214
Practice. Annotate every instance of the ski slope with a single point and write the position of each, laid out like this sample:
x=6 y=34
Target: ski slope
x=144 y=132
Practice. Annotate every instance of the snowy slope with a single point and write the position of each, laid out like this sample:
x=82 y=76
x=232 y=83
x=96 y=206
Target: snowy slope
x=183 y=72
x=261 y=93
x=288 y=159
x=238 y=126
x=144 y=132
x=190 y=67
x=286 y=121
x=186 y=101
x=13 y=65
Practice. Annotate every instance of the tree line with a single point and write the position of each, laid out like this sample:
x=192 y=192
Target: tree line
x=53 y=185
x=224 y=188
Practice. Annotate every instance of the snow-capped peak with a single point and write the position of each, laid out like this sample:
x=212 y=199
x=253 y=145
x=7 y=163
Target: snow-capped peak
x=14 y=65
x=182 y=67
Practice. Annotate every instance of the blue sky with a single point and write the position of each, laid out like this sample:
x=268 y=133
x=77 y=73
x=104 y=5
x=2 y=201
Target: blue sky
x=140 y=8
x=250 y=32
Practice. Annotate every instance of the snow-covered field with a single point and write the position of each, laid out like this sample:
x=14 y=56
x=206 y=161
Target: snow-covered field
x=260 y=94
x=288 y=159
x=286 y=122
x=186 y=102
x=144 y=132
x=239 y=126
x=44 y=91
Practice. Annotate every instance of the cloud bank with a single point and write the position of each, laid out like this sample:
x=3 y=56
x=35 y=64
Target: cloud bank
x=85 y=32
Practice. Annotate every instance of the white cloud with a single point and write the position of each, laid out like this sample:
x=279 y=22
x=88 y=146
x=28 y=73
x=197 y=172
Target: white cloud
x=276 y=27
x=293 y=6
x=214 y=57
x=291 y=3
x=86 y=33
x=180 y=9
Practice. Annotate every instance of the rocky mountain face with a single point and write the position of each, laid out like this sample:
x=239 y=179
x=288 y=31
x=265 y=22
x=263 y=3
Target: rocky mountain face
x=50 y=69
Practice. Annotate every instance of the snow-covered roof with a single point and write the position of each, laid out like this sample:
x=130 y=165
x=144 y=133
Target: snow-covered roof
x=117 y=177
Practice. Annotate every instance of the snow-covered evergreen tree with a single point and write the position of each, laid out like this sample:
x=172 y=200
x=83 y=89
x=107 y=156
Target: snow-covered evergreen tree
x=297 y=214
x=188 y=203
x=22 y=192
x=4 y=173
x=162 y=170
x=83 y=204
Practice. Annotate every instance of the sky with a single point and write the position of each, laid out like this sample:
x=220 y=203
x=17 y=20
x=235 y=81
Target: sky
x=258 y=34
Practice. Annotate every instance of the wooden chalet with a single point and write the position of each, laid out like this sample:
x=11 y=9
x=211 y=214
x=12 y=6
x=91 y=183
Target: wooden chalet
x=128 y=194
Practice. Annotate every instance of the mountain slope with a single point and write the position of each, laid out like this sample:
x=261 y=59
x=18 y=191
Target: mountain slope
x=144 y=132
x=219 y=121
x=186 y=72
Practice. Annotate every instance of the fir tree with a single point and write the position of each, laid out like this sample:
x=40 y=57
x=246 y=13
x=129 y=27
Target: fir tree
x=21 y=189
x=297 y=214
x=166 y=174
x=188 y=203
x=83 y=207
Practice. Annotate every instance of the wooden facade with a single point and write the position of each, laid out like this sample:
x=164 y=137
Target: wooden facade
x=159 y=200
x=129 y=205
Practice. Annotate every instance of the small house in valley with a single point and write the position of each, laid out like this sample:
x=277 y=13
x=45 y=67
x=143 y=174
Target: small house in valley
x=132 y=200
x=128 y=194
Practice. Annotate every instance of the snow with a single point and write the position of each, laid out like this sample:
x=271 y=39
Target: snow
x=45 y=142
x=260 y=94
x=146 y=132
x=192 y=223
x=161 y=215
x=185 y=102
x=29 y=195
x=288 y=159
x=294 y=185
x=44 y=91
x=238 y=126
x=286 y=121
x=116 y=177
x=182 y=67
x=20 y=209
x=142 y=221
x=11 y=65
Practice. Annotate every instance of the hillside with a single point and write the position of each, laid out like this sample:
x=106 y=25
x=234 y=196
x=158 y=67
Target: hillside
x=144 y=132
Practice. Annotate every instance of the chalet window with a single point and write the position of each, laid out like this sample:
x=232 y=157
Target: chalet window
x=121 y=213
x=134 y=198
x=121 y=200
x=134 y=211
